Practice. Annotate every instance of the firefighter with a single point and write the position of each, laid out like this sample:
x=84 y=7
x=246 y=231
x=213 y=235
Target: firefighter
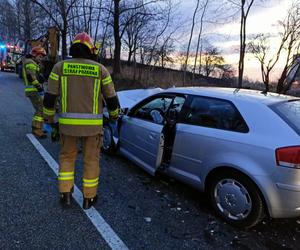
x=33 y=87
x=81 y=83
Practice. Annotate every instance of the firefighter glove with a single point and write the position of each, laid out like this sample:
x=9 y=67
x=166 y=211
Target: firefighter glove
x=40 y=88
x=55 y=136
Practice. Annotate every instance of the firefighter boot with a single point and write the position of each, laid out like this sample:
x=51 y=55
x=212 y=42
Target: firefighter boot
x=88 y=202
x=65 y=198
x=39 y=133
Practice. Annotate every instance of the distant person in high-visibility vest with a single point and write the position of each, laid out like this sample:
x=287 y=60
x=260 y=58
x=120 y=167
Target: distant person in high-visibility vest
x=33 y=87
x=81 y=83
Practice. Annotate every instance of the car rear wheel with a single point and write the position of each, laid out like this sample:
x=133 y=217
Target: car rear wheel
x=236 y=199
x=108 y=144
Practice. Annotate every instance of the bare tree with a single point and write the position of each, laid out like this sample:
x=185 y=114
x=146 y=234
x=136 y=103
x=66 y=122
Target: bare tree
x=204 y=8
x=119 y=10
x=134 y=30
x=88 y=11
x=163 y=52
x=31 y=21
x=8 y=22
x=59 y=11
x=212 y=60
x=190 y=40
x=117 y=36
x=107 y=33
x=245 y=9
x=166 y=51
x=260 y=47
x=291 y=26
x=289 y=43
x=164 y=22
x=227 y=71
x=98 y=20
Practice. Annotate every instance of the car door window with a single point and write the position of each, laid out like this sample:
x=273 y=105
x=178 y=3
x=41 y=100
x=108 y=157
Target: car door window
x=154 y=110
x=176 y=107
x=177 y=103
x=215 y=113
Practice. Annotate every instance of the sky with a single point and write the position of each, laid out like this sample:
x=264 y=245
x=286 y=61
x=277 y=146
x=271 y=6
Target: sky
x=262 y=19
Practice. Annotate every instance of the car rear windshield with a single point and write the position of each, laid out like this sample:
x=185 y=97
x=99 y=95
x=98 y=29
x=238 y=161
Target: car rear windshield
x=290 y=112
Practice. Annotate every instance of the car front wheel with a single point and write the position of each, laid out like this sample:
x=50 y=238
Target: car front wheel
x=236 y=199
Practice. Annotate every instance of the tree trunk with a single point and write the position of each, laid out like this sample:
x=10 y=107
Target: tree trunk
x=117 y=52
x=199 y=39
x=130 y=53
x=102 y=51
x=266 y=82
x=189 y=44
x=27 y=24
x=134 y=66
x=64 y=42
x=200 y=60
x=97 y=23
x=242 y=47
x=280 y=86
x=244 y=15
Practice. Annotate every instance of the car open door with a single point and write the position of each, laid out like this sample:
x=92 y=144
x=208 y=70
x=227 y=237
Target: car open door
x=142 y=142
x=141 y=137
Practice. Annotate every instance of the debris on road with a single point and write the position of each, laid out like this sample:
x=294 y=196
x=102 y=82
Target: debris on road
x=148 y=219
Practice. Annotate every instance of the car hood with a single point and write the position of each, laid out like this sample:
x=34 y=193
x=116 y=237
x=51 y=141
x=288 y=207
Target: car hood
x=128 y=98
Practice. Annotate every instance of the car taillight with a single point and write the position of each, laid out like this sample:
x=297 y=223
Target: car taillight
x=288 y=157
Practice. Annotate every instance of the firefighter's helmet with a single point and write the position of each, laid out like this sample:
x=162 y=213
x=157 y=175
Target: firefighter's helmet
x=85 y=39
x=38 y=50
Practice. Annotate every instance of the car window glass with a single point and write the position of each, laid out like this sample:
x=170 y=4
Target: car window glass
x=174 y=110
x=215 y=113
x=178 y=103
x=290 y=112
x=154 y=110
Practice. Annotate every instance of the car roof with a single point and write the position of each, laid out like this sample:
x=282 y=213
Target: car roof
x=233 y=94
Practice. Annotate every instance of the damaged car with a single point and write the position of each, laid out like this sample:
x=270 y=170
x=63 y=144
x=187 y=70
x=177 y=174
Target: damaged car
x=241 y=147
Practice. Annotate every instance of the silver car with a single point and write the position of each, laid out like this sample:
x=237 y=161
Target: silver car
x=241 y=147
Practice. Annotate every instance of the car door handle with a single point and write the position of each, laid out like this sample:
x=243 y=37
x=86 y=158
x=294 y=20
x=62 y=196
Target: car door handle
x=152 y=136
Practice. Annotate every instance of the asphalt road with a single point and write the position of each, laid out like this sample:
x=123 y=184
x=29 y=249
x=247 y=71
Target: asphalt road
x=145 y=212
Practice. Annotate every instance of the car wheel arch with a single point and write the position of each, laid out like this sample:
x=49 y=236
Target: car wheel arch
x=221 y=169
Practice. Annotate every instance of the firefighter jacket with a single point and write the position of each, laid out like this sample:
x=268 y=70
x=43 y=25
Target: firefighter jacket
x=80 y=85
x=30 y=72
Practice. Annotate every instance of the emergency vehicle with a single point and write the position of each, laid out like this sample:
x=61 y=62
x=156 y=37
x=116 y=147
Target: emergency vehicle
x=9 y=54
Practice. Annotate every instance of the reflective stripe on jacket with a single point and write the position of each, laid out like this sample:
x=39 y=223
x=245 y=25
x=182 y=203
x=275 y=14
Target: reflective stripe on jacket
x=30 y=70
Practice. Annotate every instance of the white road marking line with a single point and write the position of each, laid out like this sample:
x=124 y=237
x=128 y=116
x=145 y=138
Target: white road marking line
x=101 y=225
